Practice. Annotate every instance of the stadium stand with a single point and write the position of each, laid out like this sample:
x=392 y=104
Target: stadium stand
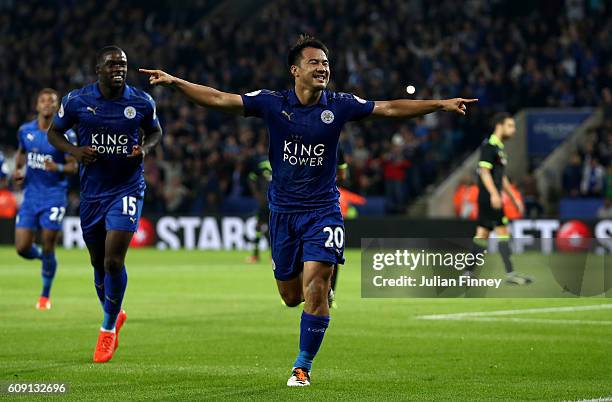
x=508 y=55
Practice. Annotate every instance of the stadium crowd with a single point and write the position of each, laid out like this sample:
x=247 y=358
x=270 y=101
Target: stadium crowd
x=588 y=172
x=509 y=55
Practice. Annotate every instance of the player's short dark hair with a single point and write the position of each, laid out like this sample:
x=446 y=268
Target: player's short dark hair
x=105 y=50
x=49 y=91
x=304 y=41
x=499 y=118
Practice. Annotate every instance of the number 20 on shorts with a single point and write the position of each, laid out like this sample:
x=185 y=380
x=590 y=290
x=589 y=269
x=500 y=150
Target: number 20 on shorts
x=335 y=236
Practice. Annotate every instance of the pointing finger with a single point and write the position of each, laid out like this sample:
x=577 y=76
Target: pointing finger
x=469 y=100
x=146 y=71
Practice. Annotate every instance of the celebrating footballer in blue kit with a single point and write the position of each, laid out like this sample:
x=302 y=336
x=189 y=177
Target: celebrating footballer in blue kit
x=306 y=226
x=109 y=115
x=45 y=190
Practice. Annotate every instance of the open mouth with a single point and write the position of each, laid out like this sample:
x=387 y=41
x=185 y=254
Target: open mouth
x=118 y=77
x=320 y=77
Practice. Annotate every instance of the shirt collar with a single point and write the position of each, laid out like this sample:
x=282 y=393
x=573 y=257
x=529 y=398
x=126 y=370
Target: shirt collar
x=125 y=95
x=493 y=140
x=294 y=101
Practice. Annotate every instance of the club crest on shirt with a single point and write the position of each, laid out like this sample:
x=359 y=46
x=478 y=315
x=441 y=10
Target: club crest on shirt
x=30 y=136
x=327 y=116
x=129 y=112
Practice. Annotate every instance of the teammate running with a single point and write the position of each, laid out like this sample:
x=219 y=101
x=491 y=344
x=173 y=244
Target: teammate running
x=109 y=114
x=45 y=190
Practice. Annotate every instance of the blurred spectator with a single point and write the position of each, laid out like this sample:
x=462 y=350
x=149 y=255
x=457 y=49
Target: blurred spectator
x=605 y=211
x=176 y=196
x=465 y=199
x=74 y=203
x=348 y=200
x=592 y=183
x=510 y=210
x=609 y=182
x=8 y=202
x=394 y=168
x=531 y=196
x=572 y=176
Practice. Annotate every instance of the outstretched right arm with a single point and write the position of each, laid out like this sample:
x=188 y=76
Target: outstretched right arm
x=200 y=94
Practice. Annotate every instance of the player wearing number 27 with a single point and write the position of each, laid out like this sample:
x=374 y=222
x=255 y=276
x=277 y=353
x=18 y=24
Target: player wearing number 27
x=45 y=185
x=109 y=115
x=304 y=125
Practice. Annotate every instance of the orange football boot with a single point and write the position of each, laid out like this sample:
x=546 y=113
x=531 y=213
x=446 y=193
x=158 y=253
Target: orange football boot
x=120 y=320
x=105 y=347
x=44 y=303
x=252 y=259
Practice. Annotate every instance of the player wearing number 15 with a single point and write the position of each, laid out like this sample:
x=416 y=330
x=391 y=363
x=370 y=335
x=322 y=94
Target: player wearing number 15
x=45 y=186
x=304 y=125
x=109 y=114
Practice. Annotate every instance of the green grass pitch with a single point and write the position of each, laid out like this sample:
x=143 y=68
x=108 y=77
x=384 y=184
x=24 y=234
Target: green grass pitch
x=205 y=325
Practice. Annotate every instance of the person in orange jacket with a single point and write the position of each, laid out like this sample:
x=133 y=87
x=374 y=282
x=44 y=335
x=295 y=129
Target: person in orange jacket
x=8 y=202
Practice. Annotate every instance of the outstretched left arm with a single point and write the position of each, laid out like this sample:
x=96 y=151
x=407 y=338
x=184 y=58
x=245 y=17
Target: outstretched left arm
x=408 y=108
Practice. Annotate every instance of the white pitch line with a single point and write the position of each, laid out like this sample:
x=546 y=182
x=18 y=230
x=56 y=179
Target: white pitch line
x=533 y=320
x=459 y=316
x=602 y=399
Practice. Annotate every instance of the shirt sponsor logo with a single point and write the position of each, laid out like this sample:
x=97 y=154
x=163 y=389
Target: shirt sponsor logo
x=111 y=144
x=37 y=161
x=298 y=154
x=327 y=116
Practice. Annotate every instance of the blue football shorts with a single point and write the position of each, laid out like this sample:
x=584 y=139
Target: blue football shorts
x=297 y=237
x=46 y=214
x=117 y=213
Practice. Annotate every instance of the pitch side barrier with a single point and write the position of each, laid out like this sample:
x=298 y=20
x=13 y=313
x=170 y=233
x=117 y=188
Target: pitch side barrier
x=234 y=232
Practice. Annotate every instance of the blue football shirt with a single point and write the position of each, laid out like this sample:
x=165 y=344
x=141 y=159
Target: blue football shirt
x=40 y=183
x=112 y=128
x=303 y=148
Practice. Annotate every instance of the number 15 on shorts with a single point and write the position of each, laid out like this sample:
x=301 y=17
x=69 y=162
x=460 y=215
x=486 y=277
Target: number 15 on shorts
x=335 y=236
x=129 y=205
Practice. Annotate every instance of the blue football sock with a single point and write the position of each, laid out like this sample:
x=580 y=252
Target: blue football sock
x=49 y=265
x=99 y=284
x=114 y=289
x=33 y=253
x=312 y=330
